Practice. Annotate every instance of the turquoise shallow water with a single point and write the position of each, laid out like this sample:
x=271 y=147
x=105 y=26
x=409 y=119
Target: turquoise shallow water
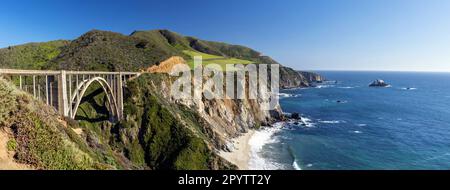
x=371 y=128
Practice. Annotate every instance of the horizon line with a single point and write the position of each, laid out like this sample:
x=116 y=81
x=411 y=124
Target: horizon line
x=357 y=70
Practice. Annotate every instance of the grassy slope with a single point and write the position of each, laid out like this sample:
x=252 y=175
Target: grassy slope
x=109 y=51
x=208 y=59
x=43 y=140
x=31 y=56
x=289 y=78
x=189 y=47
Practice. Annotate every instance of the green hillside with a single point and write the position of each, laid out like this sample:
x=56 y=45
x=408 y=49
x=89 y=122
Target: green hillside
x=213 y=59
x=188 y=47
x=44 y=141
x=221 y=53
x=109 y=51
x=184 y=43
x=31 y=56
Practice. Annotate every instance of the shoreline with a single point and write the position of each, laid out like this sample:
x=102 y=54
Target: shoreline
x=241 y=153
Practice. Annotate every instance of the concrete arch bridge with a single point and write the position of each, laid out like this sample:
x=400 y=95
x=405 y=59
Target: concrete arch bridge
x=64 y=90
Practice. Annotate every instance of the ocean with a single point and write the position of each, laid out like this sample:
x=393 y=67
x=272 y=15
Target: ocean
x=350 y=126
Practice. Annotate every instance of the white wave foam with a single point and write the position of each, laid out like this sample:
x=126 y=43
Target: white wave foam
x=257 y=142
x=324 y=86
x=296 y=88
x=331 y=122
x=303 y=121
x=357 y=132
x=286 y=95
x=307 y=122
x=361 y=125
x=346 y=87
x=409 y=88
x=296 y=165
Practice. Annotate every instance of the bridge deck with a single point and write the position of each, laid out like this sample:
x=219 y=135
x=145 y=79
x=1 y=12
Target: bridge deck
x=50 y=72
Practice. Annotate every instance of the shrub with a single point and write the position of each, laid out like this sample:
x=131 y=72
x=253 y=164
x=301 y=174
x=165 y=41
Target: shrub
x=11 y=145
x=7 y=102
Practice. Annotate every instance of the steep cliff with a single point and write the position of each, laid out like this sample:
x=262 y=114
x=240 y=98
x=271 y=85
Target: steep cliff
x=289 y=78
x=155 y=119
x=158 y=133
x=312 y=77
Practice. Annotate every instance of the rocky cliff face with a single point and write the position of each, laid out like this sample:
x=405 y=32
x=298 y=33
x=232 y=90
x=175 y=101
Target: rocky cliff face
x=312 y=77
x=289 y=78
x=152 y=112
x=227 y=118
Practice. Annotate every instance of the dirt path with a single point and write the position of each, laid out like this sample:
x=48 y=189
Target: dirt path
x=6 y=157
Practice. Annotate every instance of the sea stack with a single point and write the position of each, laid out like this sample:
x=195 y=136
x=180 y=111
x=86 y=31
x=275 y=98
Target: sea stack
x=379 y=83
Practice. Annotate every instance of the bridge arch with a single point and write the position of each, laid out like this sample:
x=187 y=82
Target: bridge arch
x=81 y=89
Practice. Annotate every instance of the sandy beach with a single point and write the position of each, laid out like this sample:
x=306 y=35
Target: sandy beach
x=240 y=156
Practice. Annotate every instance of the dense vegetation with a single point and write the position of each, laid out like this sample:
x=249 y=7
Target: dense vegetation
x=42 y=139
x=31 y=56
x=108 y=51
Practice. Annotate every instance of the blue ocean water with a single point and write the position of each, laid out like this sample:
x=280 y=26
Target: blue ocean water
x=352 y=126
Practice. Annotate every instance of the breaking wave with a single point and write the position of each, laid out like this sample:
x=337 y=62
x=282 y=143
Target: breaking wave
x=257 y=142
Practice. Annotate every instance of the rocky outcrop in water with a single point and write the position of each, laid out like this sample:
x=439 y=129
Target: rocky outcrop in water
x=379 y=83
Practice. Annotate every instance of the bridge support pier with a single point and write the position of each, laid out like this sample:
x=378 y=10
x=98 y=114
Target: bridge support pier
x=63 y=107
x=119 y=96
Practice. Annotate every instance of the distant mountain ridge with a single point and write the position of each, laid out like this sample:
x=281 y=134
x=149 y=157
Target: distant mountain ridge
x=110 y=51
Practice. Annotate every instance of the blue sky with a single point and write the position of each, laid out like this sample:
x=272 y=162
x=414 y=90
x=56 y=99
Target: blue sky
x=304 y=34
